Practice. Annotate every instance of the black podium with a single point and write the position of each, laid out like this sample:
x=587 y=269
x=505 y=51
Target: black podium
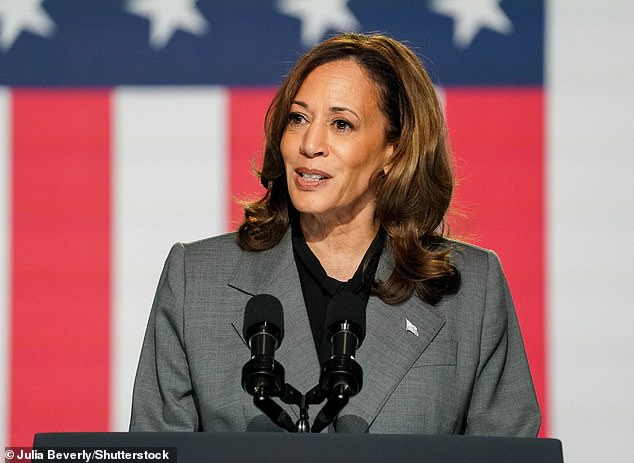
x=286 y=447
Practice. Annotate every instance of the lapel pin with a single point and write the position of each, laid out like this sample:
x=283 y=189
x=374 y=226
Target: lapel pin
x=409 y=326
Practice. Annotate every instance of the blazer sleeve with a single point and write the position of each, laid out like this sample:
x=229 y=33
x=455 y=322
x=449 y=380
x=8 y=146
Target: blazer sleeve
x=163 y=399
x=503 y=401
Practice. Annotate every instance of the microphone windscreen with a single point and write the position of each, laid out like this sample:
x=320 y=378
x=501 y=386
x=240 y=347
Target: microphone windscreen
x=263 y=308
x=350 y=307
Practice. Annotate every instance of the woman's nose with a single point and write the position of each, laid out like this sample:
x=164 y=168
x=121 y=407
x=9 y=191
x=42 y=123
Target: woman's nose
x=314 y=142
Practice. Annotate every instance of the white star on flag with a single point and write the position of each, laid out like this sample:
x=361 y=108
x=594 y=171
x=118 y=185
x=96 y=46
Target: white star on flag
x=167 y=16
x=17 y=16
x=472 y=15
x=318 y=17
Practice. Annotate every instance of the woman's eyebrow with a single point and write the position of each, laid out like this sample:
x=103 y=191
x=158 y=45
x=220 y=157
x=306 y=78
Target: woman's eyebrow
x=332 y=109
x=343 y=109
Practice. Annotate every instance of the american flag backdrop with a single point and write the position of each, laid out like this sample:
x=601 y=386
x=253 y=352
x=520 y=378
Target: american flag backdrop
x=126 y=126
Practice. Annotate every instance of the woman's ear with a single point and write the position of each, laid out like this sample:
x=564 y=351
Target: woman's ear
x=387 y=157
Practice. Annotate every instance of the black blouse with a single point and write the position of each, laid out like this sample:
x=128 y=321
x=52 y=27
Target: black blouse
x=318 y=288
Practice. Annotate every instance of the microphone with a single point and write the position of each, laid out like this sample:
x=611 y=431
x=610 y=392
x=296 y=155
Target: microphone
x=341 y=376
x=345 y=320
x=263 y=326
x=262 y=375
x=263 y=329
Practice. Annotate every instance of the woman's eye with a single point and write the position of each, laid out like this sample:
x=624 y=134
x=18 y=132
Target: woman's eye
x=296 y=119
x=342 y=125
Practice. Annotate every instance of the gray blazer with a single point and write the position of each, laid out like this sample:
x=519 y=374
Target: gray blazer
x=459 y=368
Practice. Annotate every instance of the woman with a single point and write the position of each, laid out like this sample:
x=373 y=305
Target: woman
x=358 y=180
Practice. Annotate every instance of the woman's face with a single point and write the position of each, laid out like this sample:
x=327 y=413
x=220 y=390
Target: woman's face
x=334 y=143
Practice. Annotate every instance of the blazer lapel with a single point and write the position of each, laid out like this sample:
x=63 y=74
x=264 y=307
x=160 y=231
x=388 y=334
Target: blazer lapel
x=274 y=272
x=388 y=351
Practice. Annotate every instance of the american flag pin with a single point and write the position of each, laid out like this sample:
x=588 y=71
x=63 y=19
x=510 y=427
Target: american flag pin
x=409 y=326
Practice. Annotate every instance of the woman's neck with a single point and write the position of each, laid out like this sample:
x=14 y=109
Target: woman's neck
x=339 y=246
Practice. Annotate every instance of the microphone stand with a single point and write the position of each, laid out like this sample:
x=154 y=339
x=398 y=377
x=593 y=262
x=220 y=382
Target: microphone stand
x=263 y=378
x=337 y=400
x=340 y=380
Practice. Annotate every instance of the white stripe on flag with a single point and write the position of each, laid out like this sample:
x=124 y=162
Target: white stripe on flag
x=591 y=109
x=169 y=185
x=5 y=208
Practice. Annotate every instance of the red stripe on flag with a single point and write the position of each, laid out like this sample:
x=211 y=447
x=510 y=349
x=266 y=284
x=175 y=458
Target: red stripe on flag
x=247 y=110
x=497 y=138
x=60 y=292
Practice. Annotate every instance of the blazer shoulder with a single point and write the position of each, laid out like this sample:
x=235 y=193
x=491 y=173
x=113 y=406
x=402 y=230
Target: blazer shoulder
x=225 y=243
x=466 y=256
x=217 y=253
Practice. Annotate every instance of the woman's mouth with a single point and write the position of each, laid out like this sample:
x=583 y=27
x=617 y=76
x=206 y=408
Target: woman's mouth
x=312 y=176
x=309 y=179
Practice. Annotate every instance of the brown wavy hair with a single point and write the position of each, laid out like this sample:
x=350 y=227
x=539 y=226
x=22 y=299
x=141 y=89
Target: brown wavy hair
x=413 y=190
